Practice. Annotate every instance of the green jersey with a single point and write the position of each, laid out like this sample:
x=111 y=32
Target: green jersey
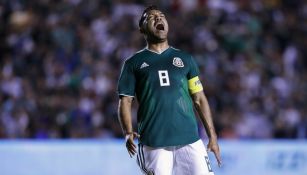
x=160 y=83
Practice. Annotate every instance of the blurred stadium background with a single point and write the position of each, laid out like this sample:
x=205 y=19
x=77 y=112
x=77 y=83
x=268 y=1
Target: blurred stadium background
x=60 y=61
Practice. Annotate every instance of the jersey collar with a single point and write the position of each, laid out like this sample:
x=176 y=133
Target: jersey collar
x=146 y=48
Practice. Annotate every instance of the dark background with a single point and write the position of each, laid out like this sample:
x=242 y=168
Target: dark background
x=60 y=61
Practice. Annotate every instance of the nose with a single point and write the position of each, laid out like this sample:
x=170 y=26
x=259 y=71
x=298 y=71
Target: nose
x=158 y=18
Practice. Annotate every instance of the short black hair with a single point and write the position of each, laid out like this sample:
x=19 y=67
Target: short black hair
x=147 y=9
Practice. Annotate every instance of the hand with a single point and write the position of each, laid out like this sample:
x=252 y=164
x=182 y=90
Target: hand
x=214 y=147
x=131 y=147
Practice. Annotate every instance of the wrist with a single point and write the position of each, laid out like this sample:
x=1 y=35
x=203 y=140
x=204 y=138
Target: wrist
x=128 y=132
x=213 y=137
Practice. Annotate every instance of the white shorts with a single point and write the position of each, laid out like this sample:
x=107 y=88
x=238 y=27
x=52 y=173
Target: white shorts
x=190 y=159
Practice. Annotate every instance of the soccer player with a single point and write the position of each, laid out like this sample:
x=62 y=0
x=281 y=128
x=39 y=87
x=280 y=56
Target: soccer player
x=166 y=84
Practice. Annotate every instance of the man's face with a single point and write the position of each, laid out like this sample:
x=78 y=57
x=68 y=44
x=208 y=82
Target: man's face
x=155 y=25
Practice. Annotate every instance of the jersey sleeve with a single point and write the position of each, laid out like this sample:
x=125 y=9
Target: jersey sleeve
x=194 y=82
x=126 y=82
x=193 y=69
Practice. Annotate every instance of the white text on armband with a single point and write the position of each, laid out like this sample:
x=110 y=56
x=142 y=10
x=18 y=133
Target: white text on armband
x=195 y=85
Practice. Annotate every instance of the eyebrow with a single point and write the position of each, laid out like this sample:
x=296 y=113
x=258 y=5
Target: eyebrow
x=160 y=13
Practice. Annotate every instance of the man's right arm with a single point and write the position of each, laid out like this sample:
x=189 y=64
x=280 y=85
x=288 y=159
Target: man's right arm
x=124 y=114
x=125 y=120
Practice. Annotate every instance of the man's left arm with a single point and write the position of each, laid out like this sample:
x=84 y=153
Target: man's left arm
x=202 y=107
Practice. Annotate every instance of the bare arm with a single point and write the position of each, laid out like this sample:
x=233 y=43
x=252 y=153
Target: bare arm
x=125 y=120
x=203 y=110
x=124 y=114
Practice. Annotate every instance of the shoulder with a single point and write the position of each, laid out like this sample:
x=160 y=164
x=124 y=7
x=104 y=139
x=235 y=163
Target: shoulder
x=133 y=58
x=182 y=53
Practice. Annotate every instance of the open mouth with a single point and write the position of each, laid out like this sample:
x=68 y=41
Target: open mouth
x=160 y=27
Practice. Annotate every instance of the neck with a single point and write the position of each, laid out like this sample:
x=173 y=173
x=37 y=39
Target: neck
x=158 y=47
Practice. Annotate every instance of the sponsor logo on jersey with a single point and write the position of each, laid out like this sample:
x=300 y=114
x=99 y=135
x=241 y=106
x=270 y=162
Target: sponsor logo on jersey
x=178 y=62
x=144 y=65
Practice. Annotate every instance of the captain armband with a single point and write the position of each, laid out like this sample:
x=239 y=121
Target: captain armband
x=195 y=85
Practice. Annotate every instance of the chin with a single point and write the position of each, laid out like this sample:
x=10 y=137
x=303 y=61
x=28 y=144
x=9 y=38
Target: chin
x=157 y=38
x=161 y=37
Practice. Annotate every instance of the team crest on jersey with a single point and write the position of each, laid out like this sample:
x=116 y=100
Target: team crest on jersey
x=178 y=62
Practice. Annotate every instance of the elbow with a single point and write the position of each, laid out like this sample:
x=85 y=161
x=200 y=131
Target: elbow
x=199 y=100
x=197 y=103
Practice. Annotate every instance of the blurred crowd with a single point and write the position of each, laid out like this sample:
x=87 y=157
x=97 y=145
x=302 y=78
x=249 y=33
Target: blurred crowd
x=60 y=61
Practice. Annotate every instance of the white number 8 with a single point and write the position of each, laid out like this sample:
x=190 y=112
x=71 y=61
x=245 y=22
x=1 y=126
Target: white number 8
x=163 y=76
